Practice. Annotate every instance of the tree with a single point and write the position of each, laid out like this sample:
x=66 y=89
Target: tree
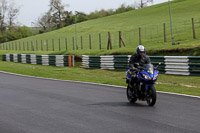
x=8 y=11
x=15 y=33
x=69 y=18
x=81 y=16
x=94 y=15
x=45 y=21
x=57 y=9
x=13 y=12
x=124 y=8
x=55 y=17
x=18 y=33
x=3 y=10
x=144 y=3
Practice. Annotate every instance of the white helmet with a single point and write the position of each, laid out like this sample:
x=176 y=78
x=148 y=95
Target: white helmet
x=140 y=48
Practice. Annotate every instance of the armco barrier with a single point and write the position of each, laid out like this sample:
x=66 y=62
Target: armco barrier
x=178 y=65
x=47 y=60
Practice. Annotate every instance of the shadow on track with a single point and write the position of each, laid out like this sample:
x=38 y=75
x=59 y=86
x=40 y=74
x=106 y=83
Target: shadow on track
x=119 y=104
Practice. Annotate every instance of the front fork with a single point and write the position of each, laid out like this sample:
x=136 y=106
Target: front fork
x=148 y=96
x=147 y=86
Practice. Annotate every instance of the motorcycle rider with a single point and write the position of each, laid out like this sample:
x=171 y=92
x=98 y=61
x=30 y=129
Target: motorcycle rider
x=140 y=59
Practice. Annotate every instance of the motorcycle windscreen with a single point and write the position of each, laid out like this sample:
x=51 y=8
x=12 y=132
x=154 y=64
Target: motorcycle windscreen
x=149 y=68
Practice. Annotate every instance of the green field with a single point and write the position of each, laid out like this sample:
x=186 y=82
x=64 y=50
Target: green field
x=150 y=19
x=168 y=83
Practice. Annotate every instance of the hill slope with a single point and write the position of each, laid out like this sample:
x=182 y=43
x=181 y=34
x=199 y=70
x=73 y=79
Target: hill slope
x=150 y=19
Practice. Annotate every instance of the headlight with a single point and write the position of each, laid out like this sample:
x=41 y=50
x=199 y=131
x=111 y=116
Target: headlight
x=146 y=77
x=155 y=77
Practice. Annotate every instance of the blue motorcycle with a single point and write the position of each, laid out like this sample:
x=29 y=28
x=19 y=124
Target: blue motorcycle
x=141 y=86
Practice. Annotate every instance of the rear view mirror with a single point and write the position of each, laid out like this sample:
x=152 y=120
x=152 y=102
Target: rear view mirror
x=158 y=65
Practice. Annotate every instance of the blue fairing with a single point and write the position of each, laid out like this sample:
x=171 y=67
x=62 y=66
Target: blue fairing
x=148 y=82
x=128 y=76
x=147 y=76
x=142 y=78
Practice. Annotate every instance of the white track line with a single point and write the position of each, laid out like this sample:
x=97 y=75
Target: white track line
x=95 y=84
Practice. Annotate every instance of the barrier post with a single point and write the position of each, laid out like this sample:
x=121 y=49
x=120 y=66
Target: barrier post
x=70 y=60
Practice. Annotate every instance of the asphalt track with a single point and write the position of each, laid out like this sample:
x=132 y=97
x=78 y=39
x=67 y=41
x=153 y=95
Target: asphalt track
x=31 y=105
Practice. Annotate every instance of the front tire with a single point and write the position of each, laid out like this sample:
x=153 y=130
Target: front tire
x=130 y=95
x=151 y=96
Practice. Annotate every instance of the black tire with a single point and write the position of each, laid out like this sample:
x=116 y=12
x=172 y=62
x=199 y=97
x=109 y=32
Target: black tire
x=131 y=98
x=151 y=96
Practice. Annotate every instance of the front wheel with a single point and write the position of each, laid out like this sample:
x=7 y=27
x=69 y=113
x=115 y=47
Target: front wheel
x=151 y=96
x=130 y=95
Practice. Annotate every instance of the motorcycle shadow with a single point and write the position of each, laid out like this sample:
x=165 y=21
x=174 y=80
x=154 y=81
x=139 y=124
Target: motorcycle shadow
x=119 y=104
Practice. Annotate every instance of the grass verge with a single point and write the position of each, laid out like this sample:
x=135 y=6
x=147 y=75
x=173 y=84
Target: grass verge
x=169 y=83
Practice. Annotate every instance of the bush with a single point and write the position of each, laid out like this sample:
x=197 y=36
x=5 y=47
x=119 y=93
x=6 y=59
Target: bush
x=102 y=13
x=15 y=33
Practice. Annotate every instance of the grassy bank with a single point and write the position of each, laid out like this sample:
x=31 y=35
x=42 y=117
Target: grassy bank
x=150 y=19
x=169 y=83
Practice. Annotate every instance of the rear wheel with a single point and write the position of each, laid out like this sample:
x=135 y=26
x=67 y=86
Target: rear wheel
x=130 y=95
x=151 y=96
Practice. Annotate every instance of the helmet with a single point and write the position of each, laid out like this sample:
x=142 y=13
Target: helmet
x=140 y=48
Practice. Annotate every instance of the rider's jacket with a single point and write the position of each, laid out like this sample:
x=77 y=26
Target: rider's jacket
x=144 y=59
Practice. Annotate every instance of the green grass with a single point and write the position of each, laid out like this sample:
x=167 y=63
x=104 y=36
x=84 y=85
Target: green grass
x=179 y=89
x=171 y=83
x=178 y=80
x=150 y=19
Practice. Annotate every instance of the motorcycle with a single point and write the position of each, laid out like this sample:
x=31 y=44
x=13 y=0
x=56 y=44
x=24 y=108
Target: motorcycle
x=141 y=86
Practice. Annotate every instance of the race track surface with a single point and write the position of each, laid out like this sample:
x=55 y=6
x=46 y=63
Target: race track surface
x=30 y=105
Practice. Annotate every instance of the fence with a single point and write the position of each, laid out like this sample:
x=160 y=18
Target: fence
x=177 y=65
x=102 y=40
x=47 y=60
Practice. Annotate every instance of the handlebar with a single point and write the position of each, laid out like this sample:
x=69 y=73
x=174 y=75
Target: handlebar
x=139 y=68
